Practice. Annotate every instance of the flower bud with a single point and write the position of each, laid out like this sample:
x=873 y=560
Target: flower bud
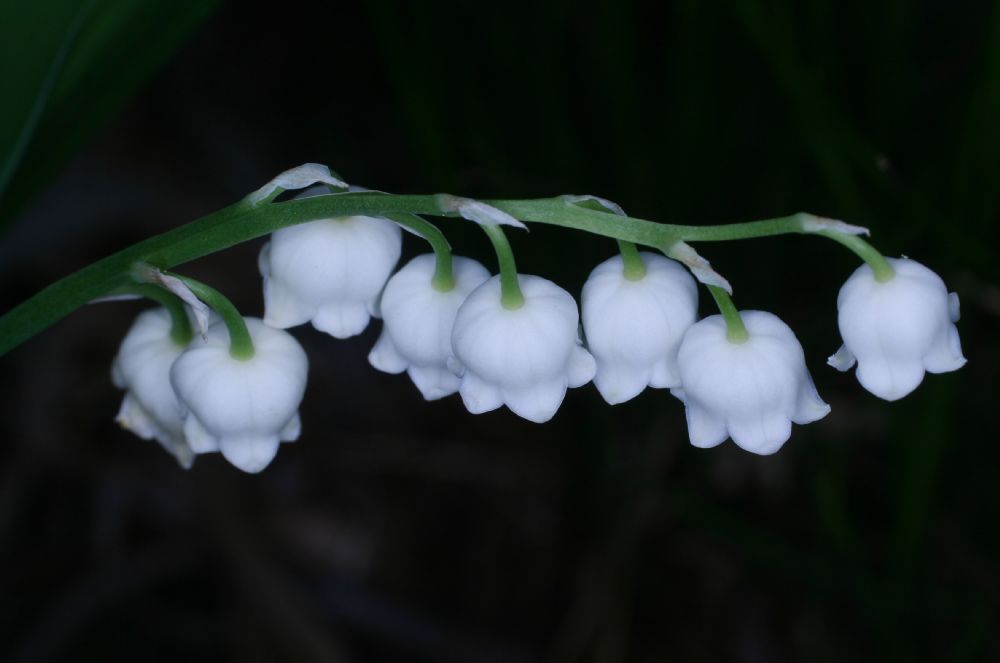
x=524 y=358
x=142 y=368
x=418 y=320
x=897 y=329
x=243 y=408
x=633 y=328
x=750 y=391
x=328 y=272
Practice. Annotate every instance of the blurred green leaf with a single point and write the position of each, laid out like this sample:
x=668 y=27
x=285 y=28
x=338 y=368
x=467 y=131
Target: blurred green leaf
x=68 y=67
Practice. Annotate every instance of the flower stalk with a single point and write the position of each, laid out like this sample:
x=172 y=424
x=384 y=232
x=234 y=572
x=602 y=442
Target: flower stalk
x=240 y=343
x=510 y=289
x=247 y=220
x=180 y=324
x=736 y=331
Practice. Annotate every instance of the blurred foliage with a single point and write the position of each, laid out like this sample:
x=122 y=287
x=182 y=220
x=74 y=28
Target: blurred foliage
x=404 y=530
x=68 y=67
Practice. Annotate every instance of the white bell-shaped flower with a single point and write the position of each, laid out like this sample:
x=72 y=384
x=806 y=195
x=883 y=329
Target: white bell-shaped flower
x=418 y=320
x=633 y=328
x=897 y=329
x=329 y=272
x=150 y=408
x=243 y=408
x=524 y=358
x=750 y=391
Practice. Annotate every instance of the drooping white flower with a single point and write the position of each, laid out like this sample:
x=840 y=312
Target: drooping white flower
x=633 y=328
x=243 y=408
x=523 y=358
x=328 y=272
x=418 y=320
x=750 y=391
x=150 y=408
x=897 y=329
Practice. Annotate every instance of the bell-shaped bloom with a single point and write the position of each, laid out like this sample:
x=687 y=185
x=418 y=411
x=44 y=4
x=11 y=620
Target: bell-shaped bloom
x=897 y=329
x=243 y=408
x=329 y=272
x=418 y=320
x=142 y=368
x=750 y=391
x=523 y=358
x=633 y=328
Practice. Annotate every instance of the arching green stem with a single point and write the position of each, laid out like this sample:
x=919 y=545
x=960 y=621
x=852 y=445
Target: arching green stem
x=736 y=331
x=510 y=290
x=240 y=343
x=444 y=278
x=246 y=220
x=635 y=268
x=880 y=266
x=180 y=324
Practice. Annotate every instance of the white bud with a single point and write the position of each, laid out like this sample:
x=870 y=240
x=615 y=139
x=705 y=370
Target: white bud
x=418 y=321
x=897 y=329
x=142 y=368
x=243 y=408
x=523 y=358
x=633 y=328
x=750 y=391
x=328 y=272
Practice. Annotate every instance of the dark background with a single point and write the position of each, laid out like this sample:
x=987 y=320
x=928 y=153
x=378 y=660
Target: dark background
x=399 y=530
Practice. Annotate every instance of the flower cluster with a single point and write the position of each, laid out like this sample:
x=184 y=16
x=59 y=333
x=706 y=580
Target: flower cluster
x=517 y=340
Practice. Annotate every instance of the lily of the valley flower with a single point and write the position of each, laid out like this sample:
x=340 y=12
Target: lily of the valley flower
x=418 y=320
x=750 y=391
x=897 y=329
x=243 y=408
x=634 y=327
x=524 y=358
x=328 y=272
x=142 y=368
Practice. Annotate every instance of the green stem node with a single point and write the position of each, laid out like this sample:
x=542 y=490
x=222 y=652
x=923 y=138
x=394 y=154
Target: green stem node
x=736 y=332
x=510 y=289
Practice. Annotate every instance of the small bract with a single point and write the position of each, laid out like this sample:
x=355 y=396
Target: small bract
x=142 y=368
x=750 y=391
x=243 y=408
x=524 y=358
x=633 y=328
x=418 y=320
x=328 y=272
x=897 y=329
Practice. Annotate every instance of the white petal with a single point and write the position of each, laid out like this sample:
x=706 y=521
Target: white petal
x=343 y=320
x=946 y=355
x=582 y=367
x=704 y=430
x=250 y=453
x=954 y=307
x=664 y=374
x=478 y=396
x=762 y=435
x=890 y=380
x=434 y=382
x=385 y=357
x=618 y=383
x=842 y=359
x=199 y=439
x=292 y=429
x=810 y=407
x=536 y=402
